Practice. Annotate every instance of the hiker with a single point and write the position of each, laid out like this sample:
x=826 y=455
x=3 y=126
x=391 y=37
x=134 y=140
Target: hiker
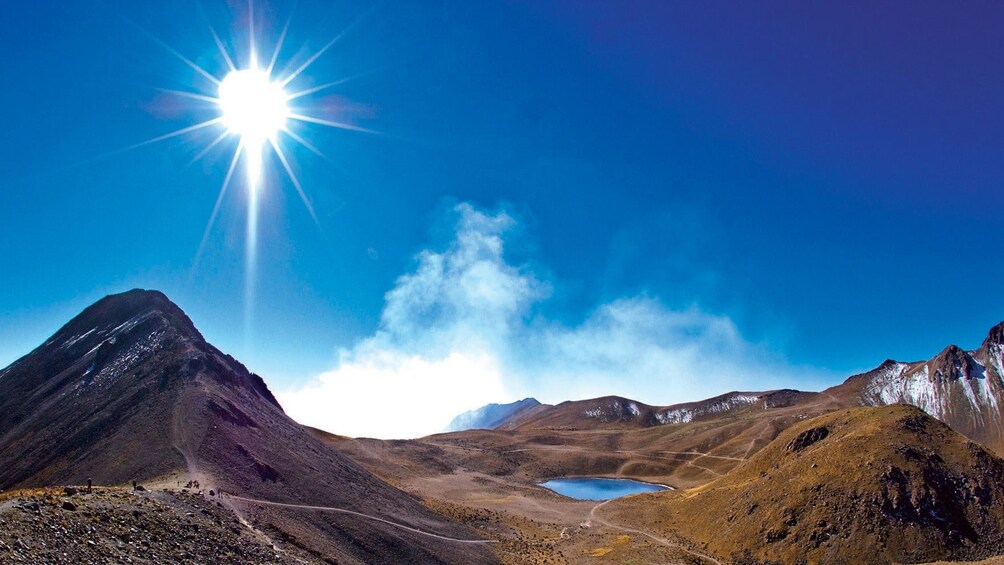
x=88 y=485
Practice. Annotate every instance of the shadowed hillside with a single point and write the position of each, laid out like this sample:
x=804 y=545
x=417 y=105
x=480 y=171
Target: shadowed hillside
x=129 y=390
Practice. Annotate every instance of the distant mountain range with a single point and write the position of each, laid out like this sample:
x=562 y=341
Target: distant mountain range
x=964 y=389
x=491 y=415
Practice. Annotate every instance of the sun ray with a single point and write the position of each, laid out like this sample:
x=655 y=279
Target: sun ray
x=327 y=46
x=253 y=49
x=192 y=95
x=223 y=49
x=176 y=133
x=216 y=37
x=340 y=125
x=325 y=86
x=219 y=202
x=250 y=262
x=309 y=61
x=278 y=47
x=209 y=147
x=297 y=138
x=174 y=52
x=296 y=181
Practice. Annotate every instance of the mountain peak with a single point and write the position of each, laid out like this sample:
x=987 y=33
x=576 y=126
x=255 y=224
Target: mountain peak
x=492 y=415
x=952 y=363
x=950 y=351
x=995 y=336
x=116 y=310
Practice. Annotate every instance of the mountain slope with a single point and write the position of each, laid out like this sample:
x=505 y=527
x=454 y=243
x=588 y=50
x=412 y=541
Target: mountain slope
x=129 y=390
x=491 y=415
x=964 y=389
x=619 y=412
x=862 y=485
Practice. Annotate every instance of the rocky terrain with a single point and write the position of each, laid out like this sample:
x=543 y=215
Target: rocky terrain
x=118 y=525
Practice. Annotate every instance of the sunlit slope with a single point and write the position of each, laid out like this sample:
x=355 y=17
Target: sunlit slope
x=861 y=485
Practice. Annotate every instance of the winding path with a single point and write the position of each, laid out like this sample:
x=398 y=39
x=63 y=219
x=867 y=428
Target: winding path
x=662 y=541
x=359 y=514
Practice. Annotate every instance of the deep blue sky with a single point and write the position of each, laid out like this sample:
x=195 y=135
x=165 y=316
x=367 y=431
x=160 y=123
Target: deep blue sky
x=826 y=175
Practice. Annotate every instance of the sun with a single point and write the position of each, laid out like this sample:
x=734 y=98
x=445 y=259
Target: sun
x=257 y=105
x=255 y=109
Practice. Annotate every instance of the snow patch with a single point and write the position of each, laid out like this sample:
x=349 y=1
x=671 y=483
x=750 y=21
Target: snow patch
x=913 y=384
x=75 y=339
x=612 y=411
x=131 y=323
x=124 y=361
x=677 y=416
x=685 y=415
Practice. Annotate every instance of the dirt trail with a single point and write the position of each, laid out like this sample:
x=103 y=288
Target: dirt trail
x=636 y=453
x=359 y=514
x=700 y=455
x=593 y=517
x=760 y=436
x=181 y=417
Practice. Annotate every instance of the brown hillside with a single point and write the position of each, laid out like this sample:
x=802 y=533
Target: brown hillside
x=865 y=485
x=129 y=390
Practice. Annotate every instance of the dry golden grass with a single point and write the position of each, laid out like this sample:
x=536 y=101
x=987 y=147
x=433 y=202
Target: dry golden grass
x=881 y=485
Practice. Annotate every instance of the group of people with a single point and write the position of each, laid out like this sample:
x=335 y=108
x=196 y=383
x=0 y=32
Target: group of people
x=195 y=484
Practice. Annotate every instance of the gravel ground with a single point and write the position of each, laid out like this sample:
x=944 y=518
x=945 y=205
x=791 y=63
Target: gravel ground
x=124 y=526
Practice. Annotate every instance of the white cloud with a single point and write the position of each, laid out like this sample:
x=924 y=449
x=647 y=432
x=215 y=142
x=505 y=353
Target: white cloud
x=457 y=333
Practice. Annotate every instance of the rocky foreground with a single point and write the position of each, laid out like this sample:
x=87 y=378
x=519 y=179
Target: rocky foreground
x=125 y=526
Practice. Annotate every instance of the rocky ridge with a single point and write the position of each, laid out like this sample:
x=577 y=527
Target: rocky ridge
x=964 y=389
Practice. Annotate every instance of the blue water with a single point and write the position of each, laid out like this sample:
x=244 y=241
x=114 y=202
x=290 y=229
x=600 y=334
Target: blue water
x=587 y=488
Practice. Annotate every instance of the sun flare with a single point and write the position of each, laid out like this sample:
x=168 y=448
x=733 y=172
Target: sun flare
x=253 y=107
x=259 y=106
